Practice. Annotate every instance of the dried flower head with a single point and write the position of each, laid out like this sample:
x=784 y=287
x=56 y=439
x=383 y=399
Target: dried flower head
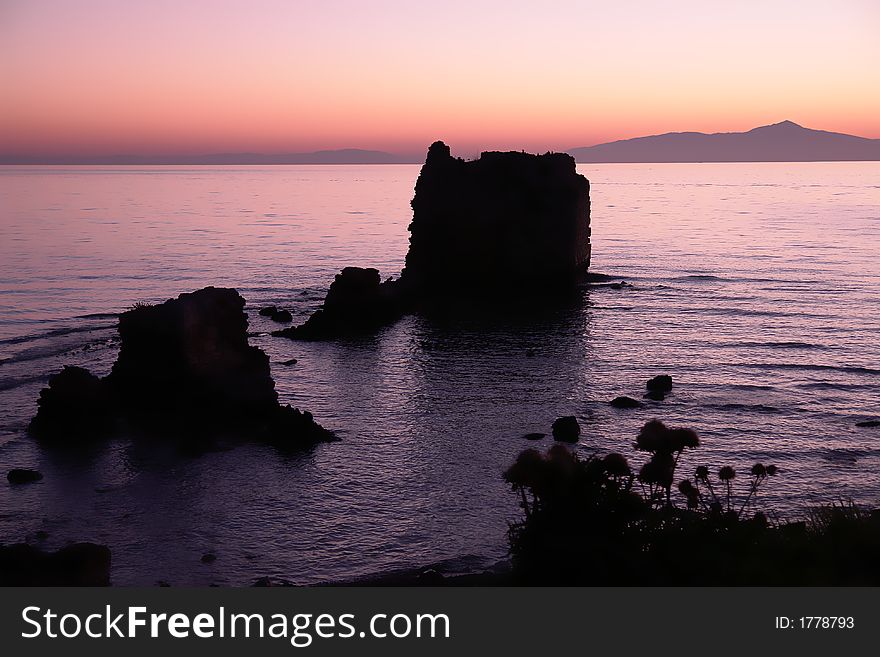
x=726 y=473
x=616 y=465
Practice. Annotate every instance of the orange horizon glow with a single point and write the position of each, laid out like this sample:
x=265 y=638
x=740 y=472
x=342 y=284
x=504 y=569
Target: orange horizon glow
x=96 y=77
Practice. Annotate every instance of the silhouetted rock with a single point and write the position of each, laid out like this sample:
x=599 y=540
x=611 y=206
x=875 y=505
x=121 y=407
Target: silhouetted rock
x=868 y=423
x=484 y=233
x=80 y=564
x=290 y=361
x=503 y=225
x=656 y=395
x=534 y=436
x=566 y=429
x=661 y=383
x=358 y=302
x=267 y=581
x=209 y=557
x=268 y=311
x=625 y=402
x=75 y=406
x=23 y=476
x=185 y=368
x=281 y=316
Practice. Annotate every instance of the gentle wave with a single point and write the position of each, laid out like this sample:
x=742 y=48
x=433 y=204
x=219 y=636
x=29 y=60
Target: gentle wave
x=849 y=369
x=828 y=385
x=13 y=382
x=55 y=333
x=755 y=408
x=772 y=345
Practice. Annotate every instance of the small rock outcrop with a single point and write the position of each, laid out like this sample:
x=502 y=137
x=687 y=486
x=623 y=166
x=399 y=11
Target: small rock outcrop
x=358 y=302
x=625 y=402
x=658 y=387
x=79 y=564
x=185 y=369
x=661 y=383
x=276 y=314
x=76 y=404
x=484 y=233
x=23 y=476
x=566 y=429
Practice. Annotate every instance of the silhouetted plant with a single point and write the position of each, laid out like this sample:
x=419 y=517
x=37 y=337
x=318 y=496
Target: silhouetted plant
x=665 y=446
x=727 y=474
x=594 y=520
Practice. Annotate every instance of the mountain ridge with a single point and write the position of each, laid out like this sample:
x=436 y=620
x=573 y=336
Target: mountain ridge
x=785 y=141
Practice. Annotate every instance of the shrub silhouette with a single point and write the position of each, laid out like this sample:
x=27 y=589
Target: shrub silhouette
x=594 y=521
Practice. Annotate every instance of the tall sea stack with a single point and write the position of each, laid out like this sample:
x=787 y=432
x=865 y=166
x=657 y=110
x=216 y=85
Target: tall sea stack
x=505 y=223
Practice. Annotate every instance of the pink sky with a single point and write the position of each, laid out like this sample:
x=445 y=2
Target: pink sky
x=189 y=76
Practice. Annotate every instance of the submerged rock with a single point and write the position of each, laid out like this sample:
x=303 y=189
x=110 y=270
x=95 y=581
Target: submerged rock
x=625 y=402
x=534 y=436
x=485 y=233
x=185 y=369
x=358 y=302
x=23 y=476
x=868 y=423
x=566 y=429
x=80 y=564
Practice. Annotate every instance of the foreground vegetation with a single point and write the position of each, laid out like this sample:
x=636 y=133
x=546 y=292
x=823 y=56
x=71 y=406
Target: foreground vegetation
x=595 y=521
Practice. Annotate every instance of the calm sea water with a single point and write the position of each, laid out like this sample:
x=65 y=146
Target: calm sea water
x=755 y=285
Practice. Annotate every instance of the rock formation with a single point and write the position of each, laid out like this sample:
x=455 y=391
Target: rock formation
x=566 y=429
x=185 y=369
x=625 y=402
x=23 y=476
x=79 y=564
x=658 y=387
x=357 y=302
x=484 y=233
x=504 y=224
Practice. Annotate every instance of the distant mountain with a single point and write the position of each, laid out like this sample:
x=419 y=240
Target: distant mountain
x=780 y=142
x=341 y=156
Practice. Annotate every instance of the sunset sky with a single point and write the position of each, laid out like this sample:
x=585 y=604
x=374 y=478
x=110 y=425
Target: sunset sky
x=203 y=76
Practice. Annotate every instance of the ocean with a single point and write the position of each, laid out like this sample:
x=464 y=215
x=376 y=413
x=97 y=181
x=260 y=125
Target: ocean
x=756 y=286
